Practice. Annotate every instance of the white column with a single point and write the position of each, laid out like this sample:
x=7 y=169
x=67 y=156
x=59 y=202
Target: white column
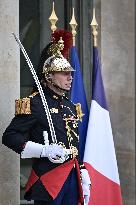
x=9 y=91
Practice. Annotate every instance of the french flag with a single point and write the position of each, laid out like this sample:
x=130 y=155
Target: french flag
x=78 y=95
x=99 y=155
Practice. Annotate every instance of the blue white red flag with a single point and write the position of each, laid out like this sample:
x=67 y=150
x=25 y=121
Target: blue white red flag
x=99 y=156
x=78 y=96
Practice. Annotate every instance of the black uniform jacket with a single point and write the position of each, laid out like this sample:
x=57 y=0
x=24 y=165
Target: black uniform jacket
x=30 y=127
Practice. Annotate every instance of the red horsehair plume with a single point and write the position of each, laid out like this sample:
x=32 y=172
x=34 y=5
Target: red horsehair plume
x=66 y=37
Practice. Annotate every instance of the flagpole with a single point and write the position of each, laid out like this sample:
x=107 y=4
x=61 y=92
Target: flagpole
x=73 y=25
x=94 y=26
x=78 y=95
x=53 y=19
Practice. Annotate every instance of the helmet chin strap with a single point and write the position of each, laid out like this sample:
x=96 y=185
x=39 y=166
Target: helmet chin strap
x=56 y=86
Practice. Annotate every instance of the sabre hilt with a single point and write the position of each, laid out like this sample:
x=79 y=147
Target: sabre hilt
x=46 y=140
x=59 y=160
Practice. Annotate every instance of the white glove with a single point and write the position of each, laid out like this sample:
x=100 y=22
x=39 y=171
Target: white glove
x=54 y=151
x=37 y=150
x=86 y=182
x=31 y=150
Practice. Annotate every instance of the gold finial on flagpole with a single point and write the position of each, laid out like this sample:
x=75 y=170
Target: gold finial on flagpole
x=94 y=26
x=53 y=19
x=73 y=25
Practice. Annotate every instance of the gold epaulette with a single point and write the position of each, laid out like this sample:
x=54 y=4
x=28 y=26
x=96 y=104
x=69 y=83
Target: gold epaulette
x=22 y=106
x=80 y=114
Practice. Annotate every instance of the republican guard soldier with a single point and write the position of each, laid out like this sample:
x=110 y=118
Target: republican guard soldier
x=57 y=176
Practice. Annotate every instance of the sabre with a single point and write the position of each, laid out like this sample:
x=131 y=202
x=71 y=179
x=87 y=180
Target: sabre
x=44 y=101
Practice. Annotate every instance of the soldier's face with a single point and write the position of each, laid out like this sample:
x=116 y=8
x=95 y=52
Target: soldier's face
x=62 y=79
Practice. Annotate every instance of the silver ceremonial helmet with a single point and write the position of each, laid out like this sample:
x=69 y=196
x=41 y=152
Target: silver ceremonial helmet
x=56 y=62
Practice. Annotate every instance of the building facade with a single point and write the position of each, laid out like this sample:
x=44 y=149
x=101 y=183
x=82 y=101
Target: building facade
x=29 y=19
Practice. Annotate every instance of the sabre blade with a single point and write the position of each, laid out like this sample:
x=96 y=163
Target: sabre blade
x=52 y=130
